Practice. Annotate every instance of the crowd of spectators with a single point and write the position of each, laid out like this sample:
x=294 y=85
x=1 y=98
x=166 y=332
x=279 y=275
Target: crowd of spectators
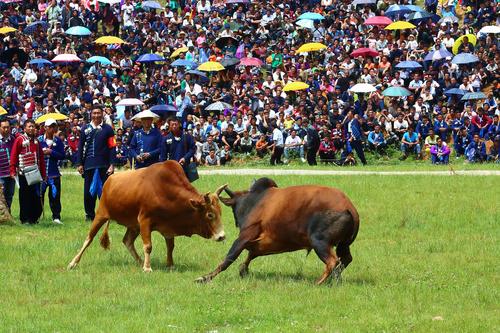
x=260 y=119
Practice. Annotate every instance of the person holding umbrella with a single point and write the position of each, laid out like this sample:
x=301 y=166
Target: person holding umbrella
x=145 y=145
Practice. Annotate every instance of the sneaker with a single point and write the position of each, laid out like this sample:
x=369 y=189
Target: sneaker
x=57 y=221
x=303 y=160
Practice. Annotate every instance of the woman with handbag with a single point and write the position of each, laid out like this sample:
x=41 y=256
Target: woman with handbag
x=28 y=165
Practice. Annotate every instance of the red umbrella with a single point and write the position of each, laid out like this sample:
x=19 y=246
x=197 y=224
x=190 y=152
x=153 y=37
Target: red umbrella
x=378 y=20
x=364 y=52
x=251 y=62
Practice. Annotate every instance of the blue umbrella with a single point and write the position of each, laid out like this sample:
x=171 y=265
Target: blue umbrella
x=473 y=95
x=151 y=5
x=414 y=8
x=308 y=24
x=363 y=2
x=197 y=72
x=102 y=60
x=34 y=26
x=464 y=58
x=150 y=57
x=395 y=10
x=408 y=65
x=163 y=109
x=454 y=91
x=396 y=92
x=311 y=16
x=184 y=63
x=423 y=16
x=40 y=62
x=78 y=31
x=438 y=55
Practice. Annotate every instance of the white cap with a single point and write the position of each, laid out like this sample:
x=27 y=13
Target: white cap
x=50 y=122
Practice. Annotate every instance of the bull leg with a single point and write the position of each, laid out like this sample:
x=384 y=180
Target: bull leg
x=345 y=258
x=170 y=250
x=231 y=256
x=325 y=253
x=148 y=247
x=128 y=240
x=98 y=222
x=246 y=263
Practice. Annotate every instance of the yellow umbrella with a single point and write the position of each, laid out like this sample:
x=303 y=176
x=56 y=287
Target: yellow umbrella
x=6 y=30
x=178 y=51
x=309 y=47
x=55 y=116
x=472 y=39
x=399 y=25
x=2 y=111
x=109 y=40
x=297 y=85
x=211 y=66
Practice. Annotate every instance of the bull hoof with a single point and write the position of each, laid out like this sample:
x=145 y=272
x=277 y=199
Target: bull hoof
x=243 y=270
x=71 y=265
x=203 y=279
x=147 y=269
x=337 y=273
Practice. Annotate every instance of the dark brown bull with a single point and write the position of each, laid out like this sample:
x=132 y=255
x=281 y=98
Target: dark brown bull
x=159 y=198
x=274 y=220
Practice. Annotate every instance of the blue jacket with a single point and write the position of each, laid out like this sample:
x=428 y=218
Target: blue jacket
x=356 y=132
x=94 y=148
x=173 y=148
x=52 y=160
x=374 y=138
x=423 y=129
x=143 y=142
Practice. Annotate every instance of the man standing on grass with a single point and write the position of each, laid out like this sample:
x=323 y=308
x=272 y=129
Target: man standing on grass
x=6 y=143
x=53 y=151
x=95 y=159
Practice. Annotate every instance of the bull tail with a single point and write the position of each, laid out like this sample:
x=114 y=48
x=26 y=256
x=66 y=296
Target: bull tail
x=104 y=239
x=355 y=221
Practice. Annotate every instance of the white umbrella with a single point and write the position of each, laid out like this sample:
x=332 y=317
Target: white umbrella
x=218 y=106
x=129 y=102
x=363 y=88
x=111 y=2
x=145 y=114
x=305 y=23
x=490 y=29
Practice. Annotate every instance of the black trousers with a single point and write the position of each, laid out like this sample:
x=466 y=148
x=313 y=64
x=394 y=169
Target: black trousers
x=54 y=201
x=357 y=145
x=30 y=203
x=311 y=155
x=276 y=155
x=89 y=199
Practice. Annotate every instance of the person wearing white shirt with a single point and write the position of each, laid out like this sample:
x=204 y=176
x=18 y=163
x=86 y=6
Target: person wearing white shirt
x=293 y=143
x=203 y=6
x=127 y=10
x=277 y=146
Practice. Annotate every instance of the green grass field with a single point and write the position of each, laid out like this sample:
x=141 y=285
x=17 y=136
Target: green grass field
x=426 y=259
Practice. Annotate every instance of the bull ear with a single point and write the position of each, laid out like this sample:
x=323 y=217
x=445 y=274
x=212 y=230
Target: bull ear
x=196 y=204
x=227 y=201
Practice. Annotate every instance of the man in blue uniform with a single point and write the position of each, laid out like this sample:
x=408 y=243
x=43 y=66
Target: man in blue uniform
x=145 y=145
x=95 y=158
x=178 y=146
x=53 y=152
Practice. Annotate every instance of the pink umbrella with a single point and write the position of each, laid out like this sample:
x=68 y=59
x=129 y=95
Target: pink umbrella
x=251 y=62
x=378 y=20
x=364 y=52
x=66 y=58
x=129 y=102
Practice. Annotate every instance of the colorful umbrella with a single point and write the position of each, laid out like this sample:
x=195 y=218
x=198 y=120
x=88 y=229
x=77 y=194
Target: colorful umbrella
x=129 y=102
x=308 y=24
x=437 y=55
x=400 y=25
x=294 y=86
x=472 y=39
x=102 y=60
x=218 y=106
x=378 y=20
x=151 y=5
x=251 y=62
x=55 y=116
x=408 y=65
x=310 y=47
x=2 y=111
x=364 y=52
x=311 y=16
x=211 y=66
x=34 y=26
x=6 y=30
x=489 y=29
x=363 y=88
x=184 y=63
x=455 y=91
x=40 y=62
x=109 y=40
x=78 y=31
x=178 y=51
x=473 y=95
x=150 y=57
x=396 y=92
x=66 y=58
x=464 y=58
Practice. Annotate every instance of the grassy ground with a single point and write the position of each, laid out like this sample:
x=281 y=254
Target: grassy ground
x=426 y=259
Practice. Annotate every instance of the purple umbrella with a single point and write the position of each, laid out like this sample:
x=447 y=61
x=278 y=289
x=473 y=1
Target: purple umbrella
x=237 y=1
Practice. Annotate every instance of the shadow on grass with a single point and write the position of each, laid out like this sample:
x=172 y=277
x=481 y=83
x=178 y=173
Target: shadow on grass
x=310 y=279
x=157 y=264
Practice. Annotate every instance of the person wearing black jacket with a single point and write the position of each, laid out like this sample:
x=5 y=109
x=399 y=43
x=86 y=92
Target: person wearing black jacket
x=313 y=142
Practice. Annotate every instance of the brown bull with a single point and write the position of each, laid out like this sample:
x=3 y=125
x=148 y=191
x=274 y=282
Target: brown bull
x=159 y=198
x=274 y=220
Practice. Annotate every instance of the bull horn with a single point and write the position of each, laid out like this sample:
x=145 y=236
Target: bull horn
x=207 y=198
x=229 y=192
x=220 y=189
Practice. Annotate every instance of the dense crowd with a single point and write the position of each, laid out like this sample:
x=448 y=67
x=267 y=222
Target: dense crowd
x=233 y=75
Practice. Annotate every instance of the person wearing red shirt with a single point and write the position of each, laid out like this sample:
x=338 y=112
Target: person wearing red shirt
x=26 y=151
x=480 y=123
